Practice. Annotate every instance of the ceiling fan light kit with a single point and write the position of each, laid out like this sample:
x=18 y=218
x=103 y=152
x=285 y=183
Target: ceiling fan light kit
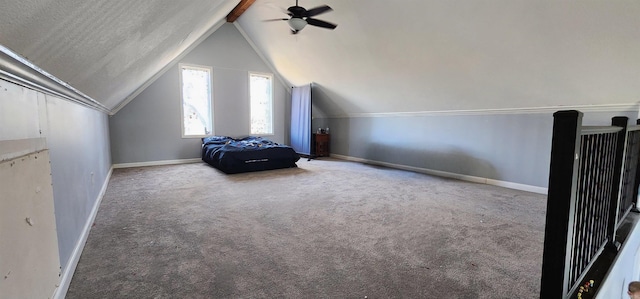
x=297 y=24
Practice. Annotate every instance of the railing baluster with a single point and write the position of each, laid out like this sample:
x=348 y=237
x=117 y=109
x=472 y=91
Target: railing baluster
x=578 y=250
x=629 y=190
x=591 y=179
x=604 y=188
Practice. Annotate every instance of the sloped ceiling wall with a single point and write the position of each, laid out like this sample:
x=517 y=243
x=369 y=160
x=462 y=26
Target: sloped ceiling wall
x=385 y=56
x=106 y=48
x=415 y=55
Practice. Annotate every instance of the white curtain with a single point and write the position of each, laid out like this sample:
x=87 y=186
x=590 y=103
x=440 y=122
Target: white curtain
x=301 y=119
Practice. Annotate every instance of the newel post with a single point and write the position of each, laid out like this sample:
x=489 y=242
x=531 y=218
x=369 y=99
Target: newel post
x=636 y=183
x=563 y=174
x=621 y=141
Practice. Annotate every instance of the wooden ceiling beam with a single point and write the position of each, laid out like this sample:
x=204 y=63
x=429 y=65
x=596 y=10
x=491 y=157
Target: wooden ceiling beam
x=239 y=10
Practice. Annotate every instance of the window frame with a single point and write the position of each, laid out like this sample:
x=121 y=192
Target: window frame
x=182 y=66
x=271 y=77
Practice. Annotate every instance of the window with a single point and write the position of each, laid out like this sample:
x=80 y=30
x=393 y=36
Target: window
x=261 y=97
x=195 y=82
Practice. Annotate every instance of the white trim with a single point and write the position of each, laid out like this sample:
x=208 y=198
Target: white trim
x=156 y=163
x=631 y=107
x=70 y=268
x=208 y=69
x=273 y=105
x=264 y=59
x=18 y=70
x=517 y=186
x=462 y=177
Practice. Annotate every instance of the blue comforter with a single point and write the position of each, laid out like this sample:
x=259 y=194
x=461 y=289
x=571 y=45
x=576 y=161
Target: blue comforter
x=247 y=154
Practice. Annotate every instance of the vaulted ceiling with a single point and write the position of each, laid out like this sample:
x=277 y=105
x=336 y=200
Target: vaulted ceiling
x=106 y=48
x=384 y=56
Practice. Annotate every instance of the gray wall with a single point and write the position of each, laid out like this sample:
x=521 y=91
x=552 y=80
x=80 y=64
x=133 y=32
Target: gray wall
x=148 y=128
x=78 y=139
x=78 y=142
x=512 y=147
x=489 y=146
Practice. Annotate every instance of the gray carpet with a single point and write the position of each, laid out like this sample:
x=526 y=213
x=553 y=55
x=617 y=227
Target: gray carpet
x=327 y=229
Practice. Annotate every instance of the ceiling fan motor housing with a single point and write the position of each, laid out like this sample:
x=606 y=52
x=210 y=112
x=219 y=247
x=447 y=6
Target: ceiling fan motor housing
x=297 y=11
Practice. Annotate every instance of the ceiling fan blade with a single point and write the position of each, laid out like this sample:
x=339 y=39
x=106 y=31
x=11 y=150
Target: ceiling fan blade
x=320 y=23
x=318 y=10
x=271 y=20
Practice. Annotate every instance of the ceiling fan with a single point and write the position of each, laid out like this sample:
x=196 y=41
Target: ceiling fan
x=299 y=17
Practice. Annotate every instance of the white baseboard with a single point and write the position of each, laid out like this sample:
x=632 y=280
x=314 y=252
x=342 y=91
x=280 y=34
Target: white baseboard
x=156 y=163
x=70 y=268
x=457 y=176
x=517 y=186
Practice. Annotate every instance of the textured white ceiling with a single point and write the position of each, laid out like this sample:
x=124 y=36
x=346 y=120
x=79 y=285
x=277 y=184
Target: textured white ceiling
x=385 y=56
x=426 y=55
x=106 y=48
